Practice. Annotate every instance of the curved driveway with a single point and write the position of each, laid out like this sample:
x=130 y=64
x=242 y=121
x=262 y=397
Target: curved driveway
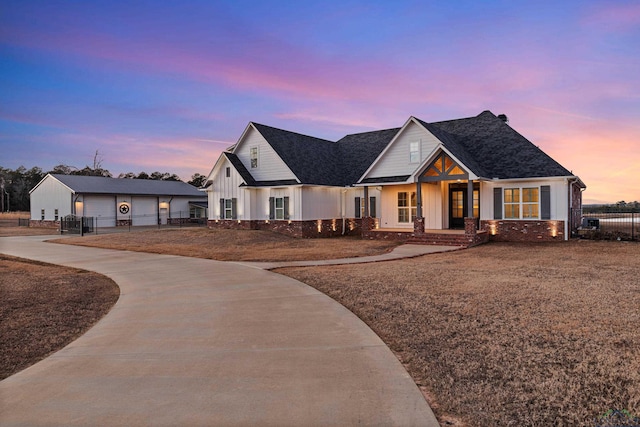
x=200 y=342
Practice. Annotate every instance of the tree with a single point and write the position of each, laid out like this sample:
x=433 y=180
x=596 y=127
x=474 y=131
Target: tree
x=198 y=180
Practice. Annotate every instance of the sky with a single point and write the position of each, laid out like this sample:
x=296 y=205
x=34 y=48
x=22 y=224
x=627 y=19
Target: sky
x=167 y=85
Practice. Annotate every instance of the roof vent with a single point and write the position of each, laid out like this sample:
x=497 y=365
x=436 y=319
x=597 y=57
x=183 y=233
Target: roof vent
x=503 y=117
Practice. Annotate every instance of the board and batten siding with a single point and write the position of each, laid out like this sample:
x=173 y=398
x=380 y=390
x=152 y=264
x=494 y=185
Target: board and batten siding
x=432 y=206
x=50 y=195
x=559 y=204
x=227 y=187
x=320 y=203
x=395 y=161
x=270 y=165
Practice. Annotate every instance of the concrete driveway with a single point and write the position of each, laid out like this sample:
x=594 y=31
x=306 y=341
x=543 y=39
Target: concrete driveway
x=200 y=342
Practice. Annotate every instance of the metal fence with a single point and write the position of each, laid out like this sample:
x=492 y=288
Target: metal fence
x=606 y=224
x=121 y=223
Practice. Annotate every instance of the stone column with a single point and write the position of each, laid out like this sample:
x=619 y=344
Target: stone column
x=418 y=225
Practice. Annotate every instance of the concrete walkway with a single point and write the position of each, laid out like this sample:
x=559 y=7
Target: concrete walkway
x=402 y=251
x=199 y=342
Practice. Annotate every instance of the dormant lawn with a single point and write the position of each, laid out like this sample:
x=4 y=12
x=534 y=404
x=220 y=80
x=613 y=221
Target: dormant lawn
x=500 y=334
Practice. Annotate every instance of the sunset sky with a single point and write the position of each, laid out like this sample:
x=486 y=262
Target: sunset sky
x=166 y=85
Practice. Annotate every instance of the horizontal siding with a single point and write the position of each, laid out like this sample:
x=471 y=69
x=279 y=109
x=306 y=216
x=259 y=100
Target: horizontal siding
x=559 y=196
x=270 y=166
x=395 y=160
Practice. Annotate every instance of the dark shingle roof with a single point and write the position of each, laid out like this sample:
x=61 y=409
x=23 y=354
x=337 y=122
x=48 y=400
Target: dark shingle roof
x=484 y=143
x=237 y=164
x=322 y=162
x=138 y=187
x=312 y=160
x=492 y=149
x=358 y=151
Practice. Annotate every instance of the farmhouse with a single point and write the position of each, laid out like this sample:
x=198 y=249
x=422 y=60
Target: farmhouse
x=460 y=182
x=113 y=201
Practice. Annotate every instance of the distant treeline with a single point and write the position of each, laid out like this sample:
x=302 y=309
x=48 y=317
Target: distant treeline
x=16 y=184
x=620 y=206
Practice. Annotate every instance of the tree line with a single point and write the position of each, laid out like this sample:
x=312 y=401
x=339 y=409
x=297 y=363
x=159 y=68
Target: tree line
x=16 y=184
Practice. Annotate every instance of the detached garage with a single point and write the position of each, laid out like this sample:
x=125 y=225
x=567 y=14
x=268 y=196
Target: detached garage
x=114 y=201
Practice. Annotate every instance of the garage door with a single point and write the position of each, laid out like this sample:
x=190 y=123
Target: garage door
x=144 y=211
x=102 y=208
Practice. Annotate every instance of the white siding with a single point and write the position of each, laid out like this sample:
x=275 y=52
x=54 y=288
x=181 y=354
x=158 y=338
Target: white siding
x=179 y=207
x=102 y=208
x=270 y=166
x=228 y=187
x=320 y=203
x=50 y=195
x=559 y=196
x=144 y=210
x=432 y=206
x=395 y=161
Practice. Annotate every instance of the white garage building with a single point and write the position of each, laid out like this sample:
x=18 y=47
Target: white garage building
x=115 y=201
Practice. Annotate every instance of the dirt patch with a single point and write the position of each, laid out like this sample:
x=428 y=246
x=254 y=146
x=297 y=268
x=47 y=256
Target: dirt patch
x=506 y=334
x=44 y=307
x=234 y=245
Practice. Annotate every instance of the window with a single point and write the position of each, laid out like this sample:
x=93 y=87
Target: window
x=228 y=208
x=407 y=206
x=42 y=214
x=522 y=203
x=278 y=208
x=360 y=205
x=512 y=203
x=55 y=214
x=228 y=172
x=253 y=152
x=530 y=203
x=414 y=152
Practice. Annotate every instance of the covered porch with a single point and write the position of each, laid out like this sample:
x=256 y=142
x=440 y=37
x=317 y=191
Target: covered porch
x=454 y=218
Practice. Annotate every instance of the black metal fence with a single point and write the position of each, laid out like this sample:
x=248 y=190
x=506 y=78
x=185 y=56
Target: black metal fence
x=606 y=225
x=77 y=225
x=110 y=224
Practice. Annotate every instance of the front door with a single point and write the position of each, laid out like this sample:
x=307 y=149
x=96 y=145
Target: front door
x=458 y=205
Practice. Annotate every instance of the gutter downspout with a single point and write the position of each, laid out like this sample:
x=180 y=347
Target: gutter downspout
x=343 y=195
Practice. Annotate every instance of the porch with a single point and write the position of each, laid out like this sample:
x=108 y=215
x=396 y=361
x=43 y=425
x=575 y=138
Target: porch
x=463 y=238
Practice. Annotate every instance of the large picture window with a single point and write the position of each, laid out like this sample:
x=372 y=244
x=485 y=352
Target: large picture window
x=522 y=203
x=407 y=207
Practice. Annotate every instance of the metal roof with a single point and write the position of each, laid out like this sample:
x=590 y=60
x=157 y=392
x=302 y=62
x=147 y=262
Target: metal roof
x=134 y=187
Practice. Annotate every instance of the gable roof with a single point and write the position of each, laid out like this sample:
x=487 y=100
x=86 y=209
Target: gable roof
x=322 y=162
x=484 y=144
x=137 y=187
x=492 y=149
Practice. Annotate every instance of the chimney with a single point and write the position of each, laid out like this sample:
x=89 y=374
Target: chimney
x=503 y=117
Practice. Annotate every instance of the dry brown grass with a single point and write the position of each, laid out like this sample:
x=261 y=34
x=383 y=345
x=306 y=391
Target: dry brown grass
x=44 y=307
x=507 y=334
x=234 y=245
x=14 y=215
x=26 y=231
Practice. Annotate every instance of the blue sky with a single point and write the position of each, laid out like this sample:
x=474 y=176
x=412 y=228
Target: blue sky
x=165 y=86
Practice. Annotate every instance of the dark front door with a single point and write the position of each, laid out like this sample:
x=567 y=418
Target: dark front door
x=458 y=205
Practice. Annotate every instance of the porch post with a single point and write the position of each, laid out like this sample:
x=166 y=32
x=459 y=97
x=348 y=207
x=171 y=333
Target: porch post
x=419 y=198
x=418 y=223
x=366 y=201
x=470 y=198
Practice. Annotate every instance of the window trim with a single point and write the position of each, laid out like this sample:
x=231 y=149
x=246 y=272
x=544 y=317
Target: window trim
x=415 y=152
x=254 y=161
x=411 y=209
x=521 y=204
